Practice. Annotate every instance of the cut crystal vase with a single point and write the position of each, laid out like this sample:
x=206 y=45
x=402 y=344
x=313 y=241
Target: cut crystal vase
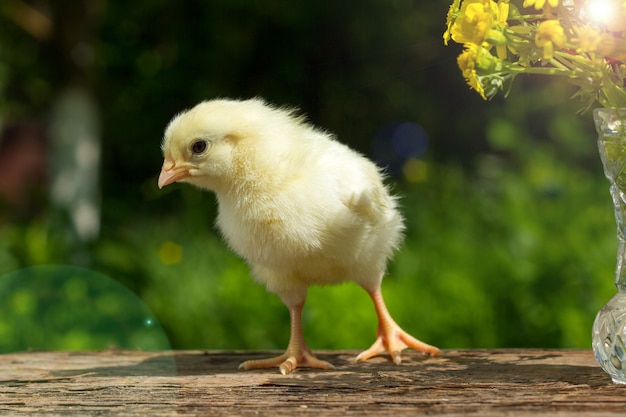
x=609 y=328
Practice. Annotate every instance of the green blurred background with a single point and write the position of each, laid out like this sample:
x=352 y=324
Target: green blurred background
x=510 y=232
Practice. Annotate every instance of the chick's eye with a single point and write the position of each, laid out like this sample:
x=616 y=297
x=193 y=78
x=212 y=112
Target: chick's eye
x=199 y=146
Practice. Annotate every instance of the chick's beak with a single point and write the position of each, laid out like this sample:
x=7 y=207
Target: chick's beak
x=171 y=173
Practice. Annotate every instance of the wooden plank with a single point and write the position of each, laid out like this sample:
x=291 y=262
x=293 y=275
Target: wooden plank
x=460 y=382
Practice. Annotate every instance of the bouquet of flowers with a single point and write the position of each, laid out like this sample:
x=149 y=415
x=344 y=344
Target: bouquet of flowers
x=583 y=41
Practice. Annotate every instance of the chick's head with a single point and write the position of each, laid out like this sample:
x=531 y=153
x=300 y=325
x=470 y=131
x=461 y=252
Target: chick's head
x=198 y=146
x=223 y=143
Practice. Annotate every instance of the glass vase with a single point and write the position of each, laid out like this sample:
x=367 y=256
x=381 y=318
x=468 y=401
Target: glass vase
x=609 y=328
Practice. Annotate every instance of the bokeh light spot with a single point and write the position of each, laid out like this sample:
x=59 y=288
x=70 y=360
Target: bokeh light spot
x=415 y=170
x=409 y=140
x=170 y=253
x=398 y=147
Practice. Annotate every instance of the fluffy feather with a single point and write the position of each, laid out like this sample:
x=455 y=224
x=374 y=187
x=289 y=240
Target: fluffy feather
x=297 y=205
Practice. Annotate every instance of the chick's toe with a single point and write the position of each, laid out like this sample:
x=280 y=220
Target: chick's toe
x=390 y=337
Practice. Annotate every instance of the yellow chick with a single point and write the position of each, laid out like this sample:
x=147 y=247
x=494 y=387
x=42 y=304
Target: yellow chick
x=298 y=206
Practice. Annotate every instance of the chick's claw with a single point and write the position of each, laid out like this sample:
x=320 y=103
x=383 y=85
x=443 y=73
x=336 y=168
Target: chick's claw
x=390 y=337
x=298 y=353
x=287 y=363
x=394 y=341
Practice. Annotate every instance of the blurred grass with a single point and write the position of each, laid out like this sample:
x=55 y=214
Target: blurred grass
x=504 y=257
x=516 y=252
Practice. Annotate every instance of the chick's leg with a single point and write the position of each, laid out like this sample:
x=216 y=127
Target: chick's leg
x=297 y=354
x=390 y=336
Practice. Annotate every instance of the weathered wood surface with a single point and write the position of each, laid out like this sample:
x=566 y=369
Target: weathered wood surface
x=472 y=382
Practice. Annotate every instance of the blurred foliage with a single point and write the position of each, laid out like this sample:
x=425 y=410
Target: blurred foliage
x=510 y=236
x=65 y=307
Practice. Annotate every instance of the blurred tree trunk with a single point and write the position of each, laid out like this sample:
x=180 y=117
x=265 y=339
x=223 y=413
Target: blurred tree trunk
x=75 y=131
x=75 y=139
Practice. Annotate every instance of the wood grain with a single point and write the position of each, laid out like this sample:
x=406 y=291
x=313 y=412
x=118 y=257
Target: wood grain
x=486 y=383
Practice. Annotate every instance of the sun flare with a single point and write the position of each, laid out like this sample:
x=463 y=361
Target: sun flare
x=601 y=11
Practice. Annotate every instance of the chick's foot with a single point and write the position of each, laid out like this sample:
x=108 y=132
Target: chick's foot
x=394 y=340
x=390 y=337
x=297 y=354
x=288 y=362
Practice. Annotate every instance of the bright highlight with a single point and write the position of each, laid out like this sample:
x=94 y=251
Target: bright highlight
x=601 y=11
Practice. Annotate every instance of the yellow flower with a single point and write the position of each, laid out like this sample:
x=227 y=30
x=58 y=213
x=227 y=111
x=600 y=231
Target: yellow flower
x=503 y=11
x=539 y=4
x=475 y=58
x=452 y=11
x=612 y=47
x=588 y=39
x=549 y=34
x=496 y=36
x=475 y=18
x=559 y=39
x=467 y=64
